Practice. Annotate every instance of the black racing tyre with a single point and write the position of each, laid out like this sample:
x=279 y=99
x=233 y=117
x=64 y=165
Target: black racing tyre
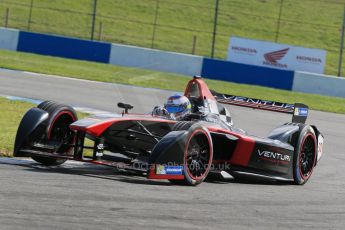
x=182 y=125
x=198 y=155
x=305 y=155
x=57 y=130
x=44 y=105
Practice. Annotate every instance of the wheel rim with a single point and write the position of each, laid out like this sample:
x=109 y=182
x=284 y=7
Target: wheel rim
x=61 y=134
x=198 y=155
x=307 y=156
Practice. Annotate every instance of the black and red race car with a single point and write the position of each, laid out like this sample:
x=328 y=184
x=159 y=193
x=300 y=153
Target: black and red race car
x=183 y=151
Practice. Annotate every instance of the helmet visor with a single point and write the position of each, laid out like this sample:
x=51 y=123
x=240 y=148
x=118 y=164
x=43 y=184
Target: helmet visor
x=175 y=108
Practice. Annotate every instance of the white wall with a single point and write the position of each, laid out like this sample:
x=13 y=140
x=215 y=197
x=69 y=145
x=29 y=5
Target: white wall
x=9 y=39
x=319 y=84
x=138 y=57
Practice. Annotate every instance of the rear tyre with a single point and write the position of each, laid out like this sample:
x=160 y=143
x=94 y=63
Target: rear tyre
x=305 y=155
x=57 y=131
x=182 y=125
x=198 y=155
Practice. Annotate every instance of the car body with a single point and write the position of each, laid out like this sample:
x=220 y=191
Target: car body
x=183 y=151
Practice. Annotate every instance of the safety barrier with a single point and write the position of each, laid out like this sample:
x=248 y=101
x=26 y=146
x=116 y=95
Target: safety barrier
x=60 y=46
x=9 y=39
x=170 y=62
x=164 y=61
x=247 y=74
x=319 y=84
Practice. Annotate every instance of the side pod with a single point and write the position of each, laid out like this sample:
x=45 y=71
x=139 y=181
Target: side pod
x=31 y=120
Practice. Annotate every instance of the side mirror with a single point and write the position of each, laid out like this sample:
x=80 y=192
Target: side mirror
x=125 y=107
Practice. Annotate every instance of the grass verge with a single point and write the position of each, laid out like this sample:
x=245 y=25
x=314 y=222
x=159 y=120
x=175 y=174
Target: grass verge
x=11 y=113
x=154 y=79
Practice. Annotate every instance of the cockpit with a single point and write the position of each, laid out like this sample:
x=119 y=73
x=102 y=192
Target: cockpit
x=203 y=101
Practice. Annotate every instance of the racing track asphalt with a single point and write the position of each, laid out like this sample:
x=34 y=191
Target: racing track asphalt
x=77 y=196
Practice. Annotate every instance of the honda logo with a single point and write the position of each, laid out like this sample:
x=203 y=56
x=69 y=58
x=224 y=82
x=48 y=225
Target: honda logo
x=272 y=58
x=275 y=56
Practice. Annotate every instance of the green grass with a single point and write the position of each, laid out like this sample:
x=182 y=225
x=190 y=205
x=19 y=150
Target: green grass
x=307 y=23
x=11 y=113
x=147 y=78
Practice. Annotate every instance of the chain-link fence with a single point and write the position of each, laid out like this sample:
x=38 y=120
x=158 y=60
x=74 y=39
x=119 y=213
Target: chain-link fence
x=186 y=26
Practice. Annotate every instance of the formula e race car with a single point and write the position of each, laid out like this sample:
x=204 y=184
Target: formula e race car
x=184 y=151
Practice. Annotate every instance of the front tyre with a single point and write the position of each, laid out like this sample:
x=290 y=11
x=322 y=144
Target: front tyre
x=198 y=155
x=57 y=131
x=305 y=155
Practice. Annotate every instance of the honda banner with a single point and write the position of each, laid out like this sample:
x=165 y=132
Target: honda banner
x=276 y=55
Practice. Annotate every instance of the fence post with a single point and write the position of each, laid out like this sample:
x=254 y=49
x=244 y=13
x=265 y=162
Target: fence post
x=155 y=24
x=194 y=44
x=214 y=28
x=100 y=35
x=341 y=46
x=93 y=18
x=279 y=18
x=30 y=14
x=7 y=15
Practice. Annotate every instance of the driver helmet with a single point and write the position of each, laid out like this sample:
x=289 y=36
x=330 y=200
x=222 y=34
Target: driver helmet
x=178 y=106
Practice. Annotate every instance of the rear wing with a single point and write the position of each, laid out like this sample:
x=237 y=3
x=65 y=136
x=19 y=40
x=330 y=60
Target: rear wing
x=298 y=110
